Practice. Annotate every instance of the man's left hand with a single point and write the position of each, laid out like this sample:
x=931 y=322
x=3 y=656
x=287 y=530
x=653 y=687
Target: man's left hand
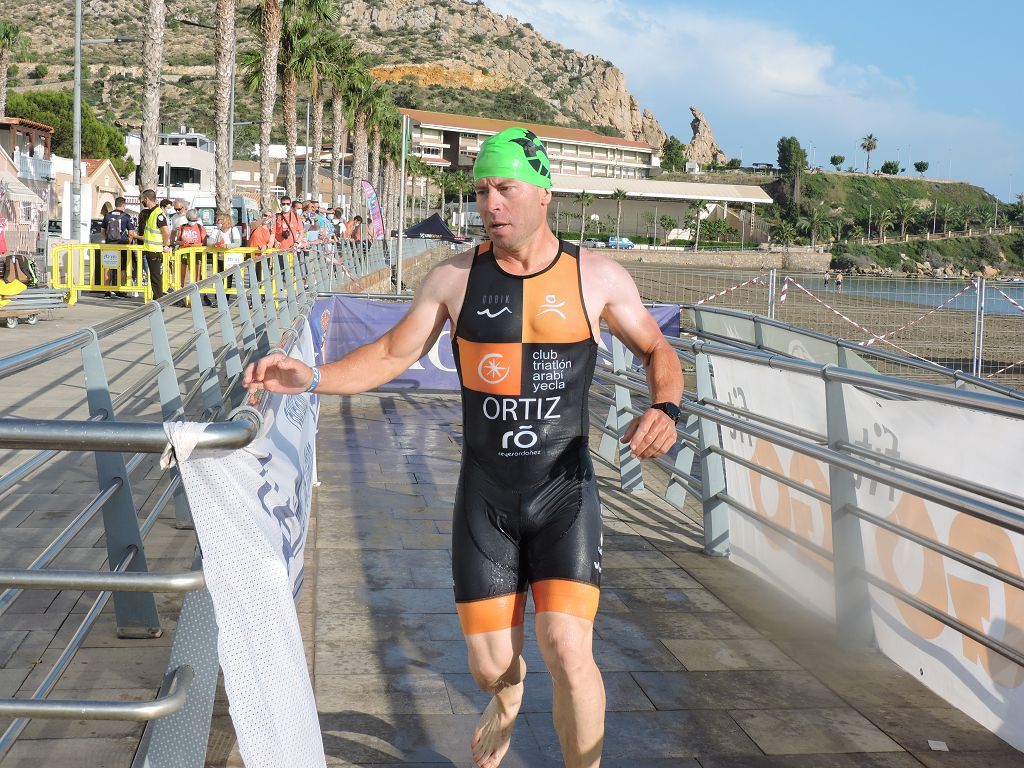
x=650 y=435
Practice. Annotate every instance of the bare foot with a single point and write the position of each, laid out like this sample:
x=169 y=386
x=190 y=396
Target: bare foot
x=493 y=733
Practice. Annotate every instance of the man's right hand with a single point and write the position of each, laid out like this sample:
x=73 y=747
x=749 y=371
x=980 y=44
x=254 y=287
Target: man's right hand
x=277 y=373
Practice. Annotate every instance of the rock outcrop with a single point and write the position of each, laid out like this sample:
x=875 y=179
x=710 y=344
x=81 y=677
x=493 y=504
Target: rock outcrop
x=480 y=49
x=703 y=149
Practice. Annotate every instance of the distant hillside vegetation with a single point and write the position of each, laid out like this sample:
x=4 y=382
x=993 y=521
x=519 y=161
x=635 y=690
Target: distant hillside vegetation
x=852 y=195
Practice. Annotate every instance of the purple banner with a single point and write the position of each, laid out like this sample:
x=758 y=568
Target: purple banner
x=340 y=324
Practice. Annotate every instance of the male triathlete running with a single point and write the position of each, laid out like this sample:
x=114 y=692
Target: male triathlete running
x=526 y=309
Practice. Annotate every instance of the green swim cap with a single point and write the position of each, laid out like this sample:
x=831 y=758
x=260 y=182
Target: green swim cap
x=515 y=153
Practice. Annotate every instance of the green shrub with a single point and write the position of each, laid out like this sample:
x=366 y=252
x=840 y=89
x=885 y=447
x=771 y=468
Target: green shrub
x=40 y=71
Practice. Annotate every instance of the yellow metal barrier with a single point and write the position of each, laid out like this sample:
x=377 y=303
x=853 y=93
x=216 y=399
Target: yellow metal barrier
x=78 y=267
x=101 y=268
x=190 y=265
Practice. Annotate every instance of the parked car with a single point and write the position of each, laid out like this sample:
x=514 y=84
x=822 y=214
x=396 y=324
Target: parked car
x=594 y=243
x=95 y=230
x=620 y=242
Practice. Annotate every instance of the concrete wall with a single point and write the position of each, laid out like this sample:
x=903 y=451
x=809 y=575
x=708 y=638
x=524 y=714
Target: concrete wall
x=755 y=259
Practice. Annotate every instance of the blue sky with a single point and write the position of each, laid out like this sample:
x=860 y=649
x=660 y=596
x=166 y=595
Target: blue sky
x=936 y=81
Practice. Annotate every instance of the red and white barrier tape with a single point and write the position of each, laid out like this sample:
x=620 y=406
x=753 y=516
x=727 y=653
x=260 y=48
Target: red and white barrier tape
x=1012 y=301
x=851 y=321
x=929 y=313
x=1004 y=370
x=736 y=287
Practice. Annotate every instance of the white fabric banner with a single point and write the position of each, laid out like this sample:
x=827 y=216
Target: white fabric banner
x=800 y=401
x=251 y=509
x=982 y=447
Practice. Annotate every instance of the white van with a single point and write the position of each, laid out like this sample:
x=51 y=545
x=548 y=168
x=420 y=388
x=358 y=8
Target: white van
x=244 y=212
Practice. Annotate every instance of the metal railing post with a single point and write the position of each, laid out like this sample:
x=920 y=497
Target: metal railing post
x=675 y=492
x=210 y=388
x=712 y=468
x=180 y=740
x=631 y=476
x=853 y=605
x=980 y=357
x=772 y=278
x=232 y=359
x=135 y=612
x=979 y=303
x=171 y=407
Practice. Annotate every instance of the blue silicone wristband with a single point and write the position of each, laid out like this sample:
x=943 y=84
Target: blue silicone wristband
x=316 y=380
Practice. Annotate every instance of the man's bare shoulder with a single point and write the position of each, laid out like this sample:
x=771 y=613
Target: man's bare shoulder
x=600 y=268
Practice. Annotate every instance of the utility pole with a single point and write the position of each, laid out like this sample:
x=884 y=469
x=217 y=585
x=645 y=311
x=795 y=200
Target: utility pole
x=76 y=171
x=401 y=204
x=305 y=165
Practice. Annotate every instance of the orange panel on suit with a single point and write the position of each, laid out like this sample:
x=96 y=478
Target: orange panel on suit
x=492 y=613
x=552 y=307
x=565 y=596
x=492 y=368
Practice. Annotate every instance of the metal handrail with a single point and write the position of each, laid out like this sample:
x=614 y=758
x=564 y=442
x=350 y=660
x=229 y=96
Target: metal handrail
x=87 y=581
x=78 y=709
x=102 y=433
x=956 y=375
x=926 y=490
x=876 y=381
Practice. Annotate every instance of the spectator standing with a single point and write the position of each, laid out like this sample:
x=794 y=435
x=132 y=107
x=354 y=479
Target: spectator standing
x=191 y=234
x=354 y=230
x=288 y=230
x=119 y=229
x=262 y=237
x=230 y=236
x=156 y=240
x=179 y=217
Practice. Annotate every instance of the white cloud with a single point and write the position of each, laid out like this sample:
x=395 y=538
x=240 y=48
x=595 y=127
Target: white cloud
x=757 y=80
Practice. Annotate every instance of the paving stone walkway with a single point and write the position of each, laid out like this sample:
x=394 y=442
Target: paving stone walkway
x=705 y=666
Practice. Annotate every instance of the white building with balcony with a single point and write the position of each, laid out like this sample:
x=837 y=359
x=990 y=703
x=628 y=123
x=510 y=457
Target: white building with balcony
x=453 y=142
x=185 y=156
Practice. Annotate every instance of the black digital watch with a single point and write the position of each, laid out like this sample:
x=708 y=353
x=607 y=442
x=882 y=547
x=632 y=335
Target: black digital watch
x=669 y=409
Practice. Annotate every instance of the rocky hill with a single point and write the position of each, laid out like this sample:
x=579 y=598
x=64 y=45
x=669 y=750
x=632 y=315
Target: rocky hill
x=449 y=55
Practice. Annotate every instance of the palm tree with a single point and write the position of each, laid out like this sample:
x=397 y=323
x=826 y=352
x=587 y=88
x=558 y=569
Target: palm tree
x=301 y=24
x=379 y=110
x=699 y=206
x=906 y=212
x=270 y=45
x=417 y=170
x=585 y=199
x=314 y=57
x=11 y=41
x=225 y=30
x=817 y=222
x=784 y=232
x=261 y=70
x=886 y=220
x=360 y=94
x=153 y=56
x=341 y=112
x=618 y=196
x=869 y=144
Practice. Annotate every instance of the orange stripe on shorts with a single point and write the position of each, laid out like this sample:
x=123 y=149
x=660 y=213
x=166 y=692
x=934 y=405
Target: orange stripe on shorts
x=492 y=613
x=564 y=596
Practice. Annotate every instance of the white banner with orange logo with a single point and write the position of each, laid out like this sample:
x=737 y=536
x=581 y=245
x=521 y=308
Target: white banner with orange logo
x=982 y=447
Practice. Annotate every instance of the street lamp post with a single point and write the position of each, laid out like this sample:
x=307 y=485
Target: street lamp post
x=76 y=125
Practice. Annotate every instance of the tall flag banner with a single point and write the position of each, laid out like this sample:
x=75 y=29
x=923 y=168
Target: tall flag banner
x=374 y=206
x=251 y=509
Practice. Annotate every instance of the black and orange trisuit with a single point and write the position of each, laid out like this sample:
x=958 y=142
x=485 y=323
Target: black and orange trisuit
x=526 y=510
